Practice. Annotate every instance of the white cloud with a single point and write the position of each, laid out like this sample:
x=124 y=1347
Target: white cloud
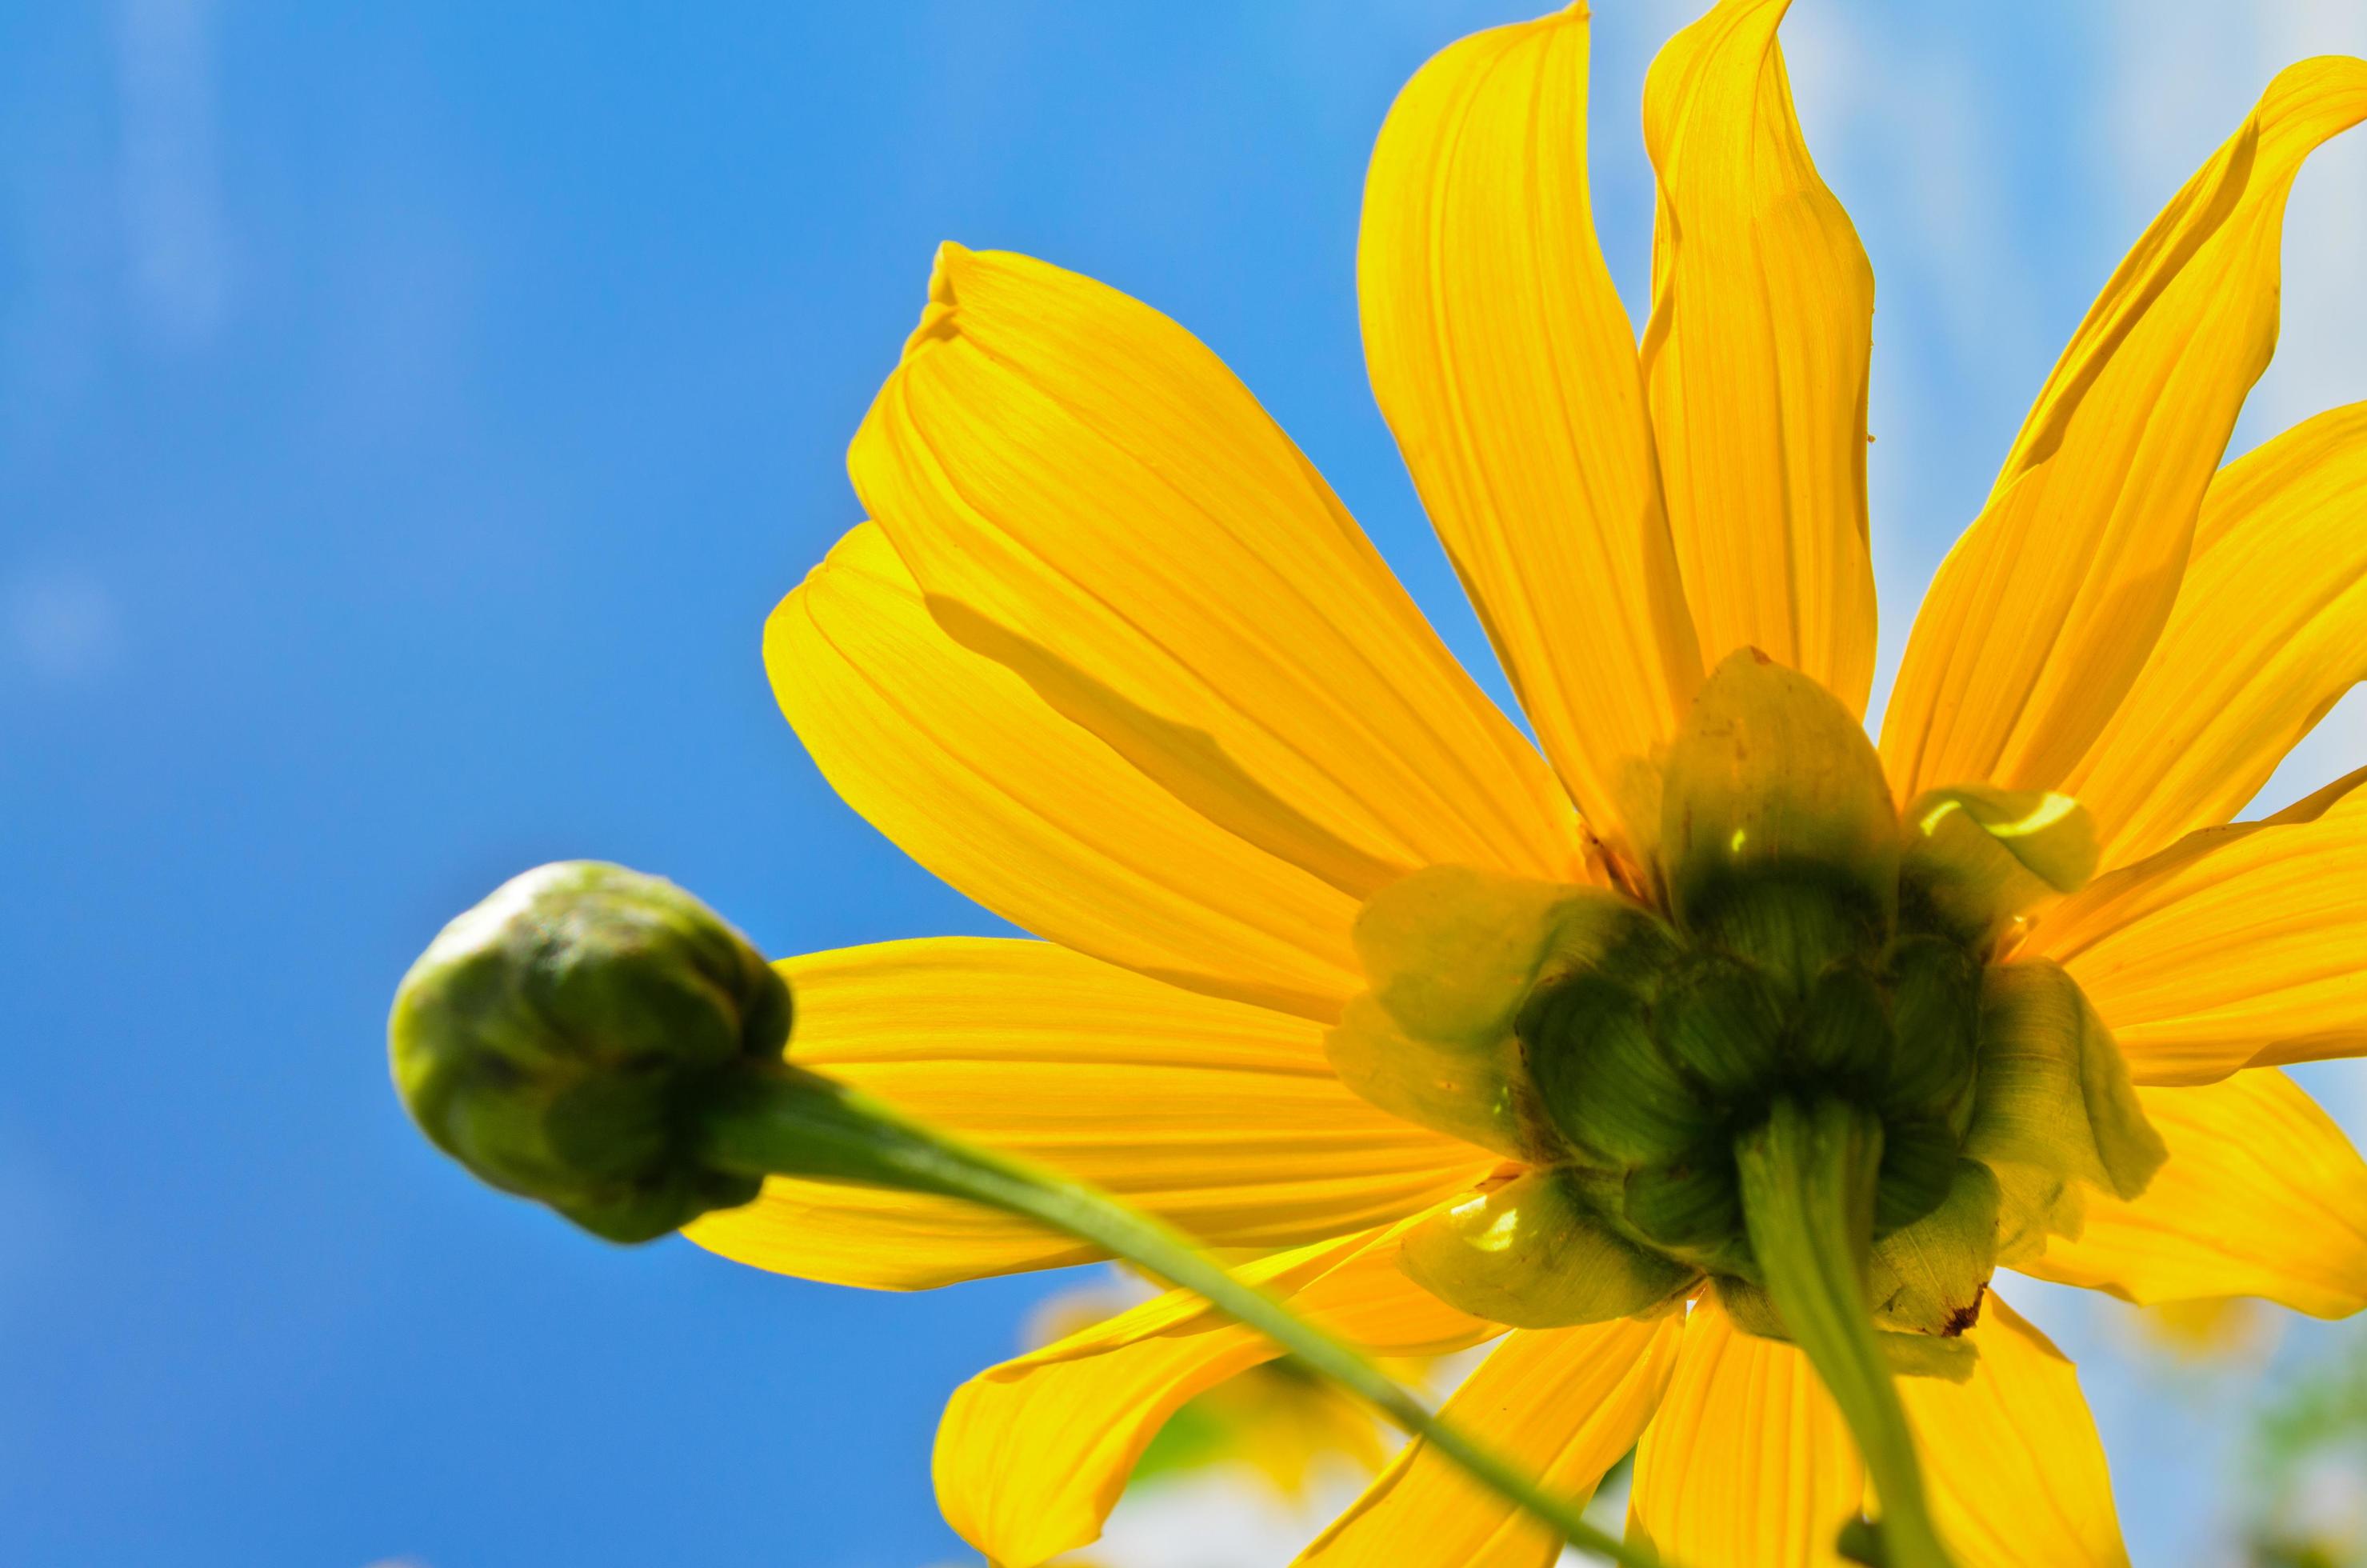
x=178 y=250
x=60 y=628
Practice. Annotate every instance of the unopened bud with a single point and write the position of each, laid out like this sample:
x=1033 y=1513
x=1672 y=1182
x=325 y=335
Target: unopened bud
x=561 y=1038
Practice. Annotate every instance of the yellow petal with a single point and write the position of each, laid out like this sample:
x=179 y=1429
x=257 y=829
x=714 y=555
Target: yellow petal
x=2042 y=614
x=1748 y=1460
x=1219 y=1115
x=2011 y=1463
x=1506 y=366
x=1562 y=1404
x=2269 y=631
x=1032 y=1454
x=2262 y=1195
x=973 y=775
x=2236 y=945
x=1756 y=356
x=1086 y=495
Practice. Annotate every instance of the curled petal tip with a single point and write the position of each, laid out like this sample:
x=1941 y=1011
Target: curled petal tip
x=938 y=317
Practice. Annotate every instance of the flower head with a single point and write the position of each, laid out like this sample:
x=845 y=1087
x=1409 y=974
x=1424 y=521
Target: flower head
x=1575 y=1046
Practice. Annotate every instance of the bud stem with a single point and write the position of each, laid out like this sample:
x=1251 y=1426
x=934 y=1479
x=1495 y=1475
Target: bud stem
x=1807 y=1178
x=787 y=1122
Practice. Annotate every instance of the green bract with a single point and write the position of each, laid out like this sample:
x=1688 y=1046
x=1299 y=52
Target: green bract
x=1802 y=946
x=559 y=1038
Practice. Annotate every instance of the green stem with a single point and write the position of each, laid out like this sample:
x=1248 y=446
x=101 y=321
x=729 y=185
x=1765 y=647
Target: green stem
x=1807 y=1201
x=793 y=1123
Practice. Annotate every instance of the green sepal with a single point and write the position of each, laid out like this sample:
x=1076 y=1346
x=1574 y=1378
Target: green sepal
x=1918 y=1165
x=1603 y=1077
x=559 y=1039
x=1927 y=1356
x=1844 y=1033
x=1935 y=990
x=1451 y=954
x=1478 y=1092
x=1975 y=857
x=1534 y=1254
x=1930 y=1277
x=1722 y=1026
x=1908 y=1355
x=1690 y=1206
x=2035 y=1202
x=2053 y=1108
x=1778 y=838
x=1750 y=1307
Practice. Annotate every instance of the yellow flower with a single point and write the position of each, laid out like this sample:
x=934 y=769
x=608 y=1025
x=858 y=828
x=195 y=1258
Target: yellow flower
x=1330 y=949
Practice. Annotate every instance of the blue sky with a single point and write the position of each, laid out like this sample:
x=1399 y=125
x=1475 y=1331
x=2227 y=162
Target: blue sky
x=408 y=415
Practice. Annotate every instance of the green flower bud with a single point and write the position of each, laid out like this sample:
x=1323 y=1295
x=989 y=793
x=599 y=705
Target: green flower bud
x=1908 y=1354
x=559 y=1039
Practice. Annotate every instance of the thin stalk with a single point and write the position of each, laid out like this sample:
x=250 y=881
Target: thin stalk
x=1807 y=1201
x=792 y=1123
